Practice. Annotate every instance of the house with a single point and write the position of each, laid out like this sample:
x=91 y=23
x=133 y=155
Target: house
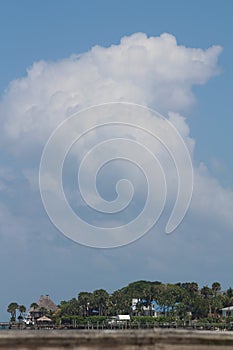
x=139 y=308
x=227 y=311
x=43 y=306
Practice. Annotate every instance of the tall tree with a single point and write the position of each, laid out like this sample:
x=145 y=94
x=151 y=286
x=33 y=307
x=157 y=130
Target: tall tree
x=12 y=308
x=100 y=301
x=22 y=309
x=85 y=301
x=228 y=297
x=207 y=294
x=34 y=306
x=120 y=303
x=216 y=288
x=70 y=307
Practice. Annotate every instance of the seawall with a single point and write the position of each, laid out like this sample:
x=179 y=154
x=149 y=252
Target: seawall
x=116 y=340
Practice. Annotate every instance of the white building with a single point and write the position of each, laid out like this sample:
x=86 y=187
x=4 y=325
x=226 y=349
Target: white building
x=123 y=318
x=227 y=311
x=146 y=310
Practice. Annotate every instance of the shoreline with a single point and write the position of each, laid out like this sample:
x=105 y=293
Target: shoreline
x=116 y=339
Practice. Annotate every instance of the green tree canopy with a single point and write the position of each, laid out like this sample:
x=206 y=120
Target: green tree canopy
x=12 y=308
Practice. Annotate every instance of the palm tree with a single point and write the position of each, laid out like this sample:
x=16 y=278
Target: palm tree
x=228 y=297
x=100 y=300
x=207 y=294
x=70 y=307
x=12 y=307
x=217 y=297
x=85 y=302
x=33 y=306
x=120 y=303
x=216 y=288
x=22 y=309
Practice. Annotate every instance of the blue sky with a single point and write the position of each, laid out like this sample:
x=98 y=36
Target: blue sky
x=32 y=31
x=43 y=261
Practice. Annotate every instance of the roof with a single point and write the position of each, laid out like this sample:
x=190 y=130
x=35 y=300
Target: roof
x=154 y=305
x=228 y=308
x=46 y=303
x=44 y=319
x=123 y=317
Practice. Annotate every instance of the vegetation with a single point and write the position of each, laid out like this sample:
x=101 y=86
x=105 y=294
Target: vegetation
x=12 y=309
x=179 y=302
x=22 y=309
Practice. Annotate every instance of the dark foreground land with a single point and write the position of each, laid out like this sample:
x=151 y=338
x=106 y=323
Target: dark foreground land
x=118 y=340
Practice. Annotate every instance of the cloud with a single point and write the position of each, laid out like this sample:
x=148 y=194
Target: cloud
x=152 y=71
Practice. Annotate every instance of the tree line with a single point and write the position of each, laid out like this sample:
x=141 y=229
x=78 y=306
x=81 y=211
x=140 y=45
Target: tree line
x=173 y=299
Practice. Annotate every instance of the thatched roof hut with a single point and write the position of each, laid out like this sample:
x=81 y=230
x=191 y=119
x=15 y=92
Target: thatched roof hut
x=43 y=307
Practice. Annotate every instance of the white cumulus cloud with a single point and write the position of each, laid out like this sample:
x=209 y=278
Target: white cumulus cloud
x=153 y=71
